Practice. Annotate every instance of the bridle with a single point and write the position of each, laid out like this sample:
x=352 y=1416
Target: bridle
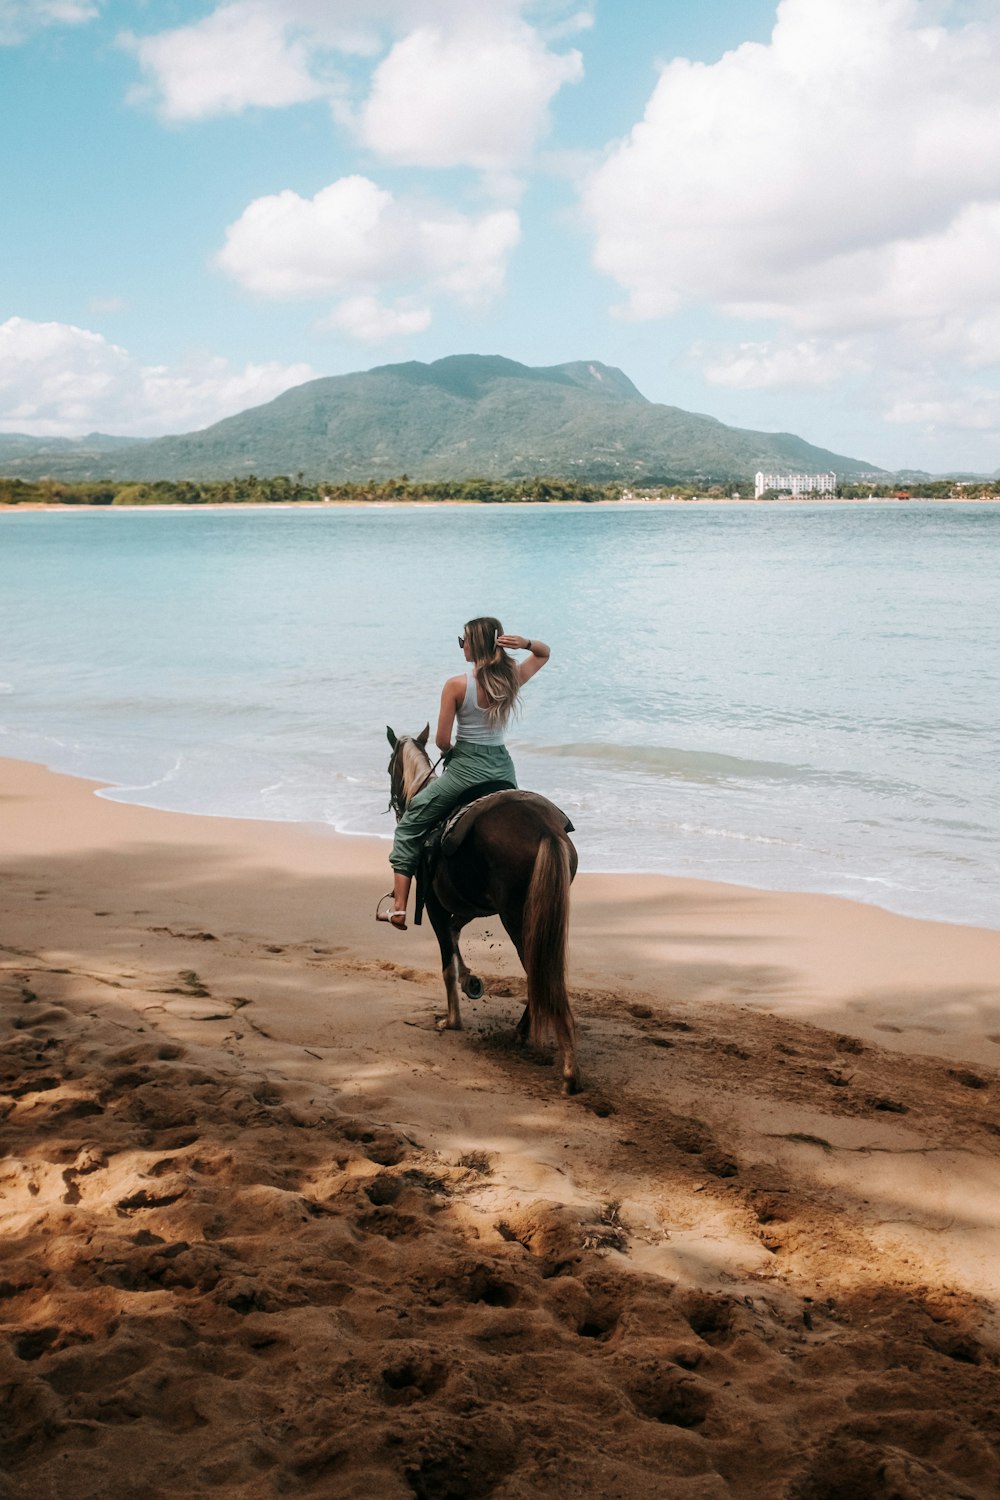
x=397 y=802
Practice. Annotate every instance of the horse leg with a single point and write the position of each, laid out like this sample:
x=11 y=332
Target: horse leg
x=452 y=990
x=469 y=983
x=463 y=968
x=511 y=923
x=446 y=935
x=567 y=1047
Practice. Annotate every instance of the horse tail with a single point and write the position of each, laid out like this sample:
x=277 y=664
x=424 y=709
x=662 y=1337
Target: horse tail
x=545 y=931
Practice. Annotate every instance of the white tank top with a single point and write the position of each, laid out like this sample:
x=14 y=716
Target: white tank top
x=474 y=726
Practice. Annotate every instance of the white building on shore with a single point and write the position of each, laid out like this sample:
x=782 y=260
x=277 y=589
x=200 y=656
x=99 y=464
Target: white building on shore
x=795 y=484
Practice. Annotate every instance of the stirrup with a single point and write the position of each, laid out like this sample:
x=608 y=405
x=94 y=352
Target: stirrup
x=387 y=916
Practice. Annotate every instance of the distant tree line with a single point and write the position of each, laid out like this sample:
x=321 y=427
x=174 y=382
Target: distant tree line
x=924 y=489
x=250 y=489
x=284 y=489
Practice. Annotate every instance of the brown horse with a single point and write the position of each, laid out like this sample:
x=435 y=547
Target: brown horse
x=515 y=860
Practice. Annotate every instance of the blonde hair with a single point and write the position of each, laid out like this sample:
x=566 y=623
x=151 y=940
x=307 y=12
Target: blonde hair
x=496 y=672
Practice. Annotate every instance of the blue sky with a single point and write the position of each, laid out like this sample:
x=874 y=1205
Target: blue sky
x=787 y=216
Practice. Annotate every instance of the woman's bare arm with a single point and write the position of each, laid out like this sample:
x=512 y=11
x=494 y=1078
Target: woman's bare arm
x=451 y=696
x=540 y=654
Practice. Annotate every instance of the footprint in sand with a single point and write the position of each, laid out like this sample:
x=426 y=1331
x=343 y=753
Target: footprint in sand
x=191 y=937
x=199 y=1010
x=195 y=1001
x=967 y=1079
x=676 y=1399
x=143 y=1199
x=413 y=1378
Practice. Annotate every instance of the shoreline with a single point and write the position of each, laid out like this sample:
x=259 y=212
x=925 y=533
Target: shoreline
x=813 y=924
x=268 y=1229
x=332 y=505
x=105 y=790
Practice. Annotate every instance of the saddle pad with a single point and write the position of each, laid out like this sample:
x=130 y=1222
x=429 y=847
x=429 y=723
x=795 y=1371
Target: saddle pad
x=460 y=822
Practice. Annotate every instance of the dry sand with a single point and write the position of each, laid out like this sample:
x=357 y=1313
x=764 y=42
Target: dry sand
x=267 y=1231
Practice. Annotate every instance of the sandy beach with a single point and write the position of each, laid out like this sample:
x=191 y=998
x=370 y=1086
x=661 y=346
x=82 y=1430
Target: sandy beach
x=267 y=1230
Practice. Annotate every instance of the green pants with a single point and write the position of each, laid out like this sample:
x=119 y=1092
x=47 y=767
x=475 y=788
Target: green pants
x=467 y=766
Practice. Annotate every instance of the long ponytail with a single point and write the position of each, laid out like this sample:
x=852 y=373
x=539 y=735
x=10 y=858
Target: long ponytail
x=496 y=672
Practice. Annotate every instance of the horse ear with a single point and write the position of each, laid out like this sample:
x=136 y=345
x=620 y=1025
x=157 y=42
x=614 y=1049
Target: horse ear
x=390 y=735
x=423 y=736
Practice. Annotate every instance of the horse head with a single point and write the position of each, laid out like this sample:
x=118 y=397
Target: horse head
x=408 y=765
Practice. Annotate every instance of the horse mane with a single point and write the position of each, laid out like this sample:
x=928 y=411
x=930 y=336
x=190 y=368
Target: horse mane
x=416 y=764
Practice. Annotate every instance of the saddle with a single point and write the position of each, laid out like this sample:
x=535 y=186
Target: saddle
x=449 y=835
x=458 y=823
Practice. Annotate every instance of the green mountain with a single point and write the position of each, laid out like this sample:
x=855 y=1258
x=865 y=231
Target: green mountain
x=30 y=457
x=461 y=416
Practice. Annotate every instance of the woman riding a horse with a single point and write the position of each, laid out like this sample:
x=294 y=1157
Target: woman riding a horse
x=508 y=855
x=476 y=707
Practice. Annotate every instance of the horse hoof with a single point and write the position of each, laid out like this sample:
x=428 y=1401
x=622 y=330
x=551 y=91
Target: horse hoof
x=473 y=987
x=571 y=1086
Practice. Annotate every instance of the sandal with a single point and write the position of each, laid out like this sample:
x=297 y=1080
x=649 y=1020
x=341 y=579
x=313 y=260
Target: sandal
x=390 y=916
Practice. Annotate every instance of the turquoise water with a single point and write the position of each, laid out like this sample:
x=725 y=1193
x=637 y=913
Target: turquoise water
x=795 y=696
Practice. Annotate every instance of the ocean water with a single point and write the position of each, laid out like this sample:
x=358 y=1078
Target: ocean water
x=790 y=696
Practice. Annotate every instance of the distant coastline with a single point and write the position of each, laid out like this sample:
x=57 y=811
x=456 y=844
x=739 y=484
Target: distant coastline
x=44 y=507
x=704 y=485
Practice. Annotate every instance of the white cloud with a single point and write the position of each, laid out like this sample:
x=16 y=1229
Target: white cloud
x=284 y=245
x=372 y=322
x=581 y=20
x=843 y=180
x=19 y=18
x=355 y=239
x=768 y=366
x=467 y=256
x=59 y=380
x=238 y=56
x=477 y=95
x=462 y=84
x=975 y=409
